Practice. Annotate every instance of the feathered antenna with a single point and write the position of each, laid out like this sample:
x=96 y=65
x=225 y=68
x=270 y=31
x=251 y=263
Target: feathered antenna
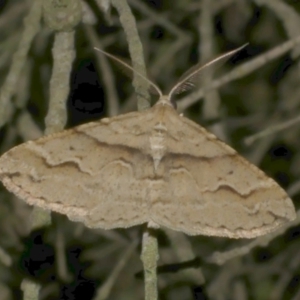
x=152 y=84
x=191 y=77
x=187 y=81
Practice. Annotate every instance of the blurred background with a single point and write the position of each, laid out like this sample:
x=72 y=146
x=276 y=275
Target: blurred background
x=254 y=107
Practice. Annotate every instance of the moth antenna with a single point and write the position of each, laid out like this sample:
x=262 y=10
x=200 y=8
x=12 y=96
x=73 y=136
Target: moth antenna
x=157 y=89
x=187 y=81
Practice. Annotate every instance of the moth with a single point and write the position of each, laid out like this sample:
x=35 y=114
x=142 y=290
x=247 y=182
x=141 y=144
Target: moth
x=154 y=167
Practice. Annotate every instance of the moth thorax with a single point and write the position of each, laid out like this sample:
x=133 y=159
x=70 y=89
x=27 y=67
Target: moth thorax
x=158 y=143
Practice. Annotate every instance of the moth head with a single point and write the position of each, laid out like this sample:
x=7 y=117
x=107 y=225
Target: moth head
x=165 y=100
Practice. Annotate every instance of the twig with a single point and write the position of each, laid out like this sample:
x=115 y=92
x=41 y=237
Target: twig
x=271 y=130
x=107 y=286
x=150 y=246
x=294 y=188
x=63 y=56
x=61 y=263
x=288 y=16
x=240 y=72
x=149 y=257
x=5 y=258
x=182 y=39
x=30 y=290
x=136 y=52
x=27 y=128
x=157 y=19
x=31 y=27
x=212 y=101
x=260 y=150
x=283 y=281
x=184 y=251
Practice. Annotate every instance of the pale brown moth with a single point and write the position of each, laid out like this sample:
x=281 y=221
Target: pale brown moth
x=153 y=167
